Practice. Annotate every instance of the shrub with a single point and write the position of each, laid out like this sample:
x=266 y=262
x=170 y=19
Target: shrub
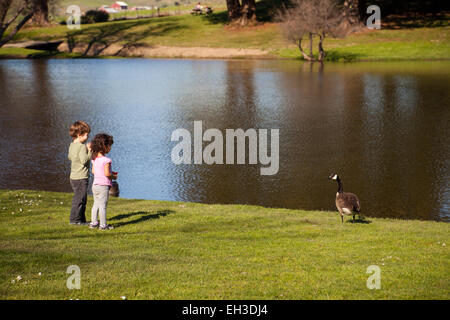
x=93 y=16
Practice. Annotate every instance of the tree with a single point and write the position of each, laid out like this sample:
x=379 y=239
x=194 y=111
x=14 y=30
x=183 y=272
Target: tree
x=241 y=12
x=40 y=16
x=13 y=16
x=307 y=19
x=353 y=12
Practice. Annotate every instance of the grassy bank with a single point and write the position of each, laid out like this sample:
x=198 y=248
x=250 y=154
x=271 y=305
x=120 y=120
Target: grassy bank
x=175 y=250
x=406 y=43
x=22 y=53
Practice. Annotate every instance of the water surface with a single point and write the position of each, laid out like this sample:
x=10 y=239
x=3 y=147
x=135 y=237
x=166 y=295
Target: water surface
x=382 y=126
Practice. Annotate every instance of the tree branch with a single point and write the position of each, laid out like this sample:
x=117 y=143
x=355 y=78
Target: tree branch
x=16 y=29
x=6 y=25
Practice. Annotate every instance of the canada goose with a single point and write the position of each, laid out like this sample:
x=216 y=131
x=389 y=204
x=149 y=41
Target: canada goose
x=346 y=202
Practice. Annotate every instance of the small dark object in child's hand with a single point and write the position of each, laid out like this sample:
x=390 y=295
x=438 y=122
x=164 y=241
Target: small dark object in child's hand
x=114 y=190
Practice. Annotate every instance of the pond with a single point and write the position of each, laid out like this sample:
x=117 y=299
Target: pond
x=383 y=127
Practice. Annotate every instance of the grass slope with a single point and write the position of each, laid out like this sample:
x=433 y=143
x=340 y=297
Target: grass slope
x=175 y=250
x=200 y=31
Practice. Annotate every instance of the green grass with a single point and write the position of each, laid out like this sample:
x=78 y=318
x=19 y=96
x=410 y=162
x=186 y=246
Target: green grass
x=199 y=31
x=22 y=53
x=183 y=30
x=176 y=250
x=17 y=53
x=402 y=44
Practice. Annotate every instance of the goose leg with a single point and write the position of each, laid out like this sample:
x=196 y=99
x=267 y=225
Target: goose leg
x=342 y=218
x=353 y=218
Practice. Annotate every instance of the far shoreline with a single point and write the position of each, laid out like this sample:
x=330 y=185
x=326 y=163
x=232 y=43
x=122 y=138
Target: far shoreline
x=42 y=55
x=194 y=38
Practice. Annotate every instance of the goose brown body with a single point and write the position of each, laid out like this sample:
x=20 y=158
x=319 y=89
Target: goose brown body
x=347 y=203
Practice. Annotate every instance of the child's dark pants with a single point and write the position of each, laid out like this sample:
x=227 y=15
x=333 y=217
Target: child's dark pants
x=80 y=187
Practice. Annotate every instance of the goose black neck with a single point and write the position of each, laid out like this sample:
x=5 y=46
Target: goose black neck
x=341 y=187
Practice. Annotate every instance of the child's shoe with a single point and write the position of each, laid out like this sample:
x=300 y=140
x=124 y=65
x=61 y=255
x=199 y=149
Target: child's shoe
x=79 y=223
x=106 y=227
x=93 y=225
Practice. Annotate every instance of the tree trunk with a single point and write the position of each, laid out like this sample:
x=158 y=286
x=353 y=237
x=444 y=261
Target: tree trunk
x=241 y=14
x=234 y=10
x=311 y=54
x=40 y=17
x=305 y=55
x=362 y=6
x=249 y=11
x=321 y=51
x=352 y=11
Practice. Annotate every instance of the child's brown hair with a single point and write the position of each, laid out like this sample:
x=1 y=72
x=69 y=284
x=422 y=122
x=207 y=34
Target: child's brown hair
x=100 y=144
x=79 y=128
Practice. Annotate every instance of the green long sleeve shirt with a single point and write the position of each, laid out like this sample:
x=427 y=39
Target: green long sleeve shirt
x=79 y=157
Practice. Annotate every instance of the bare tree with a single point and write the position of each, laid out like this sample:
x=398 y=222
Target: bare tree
x=309 y=19
x=241 y=12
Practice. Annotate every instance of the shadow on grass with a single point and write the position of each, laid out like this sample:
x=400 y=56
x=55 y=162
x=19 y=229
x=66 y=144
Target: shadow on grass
x=54 y=54
x=266 y=10
x=143 y=216
x=98 y=38
x=333 y=55
x=360 y=219
x=413 y=20
x=220 y=17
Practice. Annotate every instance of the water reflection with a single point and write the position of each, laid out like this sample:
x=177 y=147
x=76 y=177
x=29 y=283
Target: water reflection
x=383 y=127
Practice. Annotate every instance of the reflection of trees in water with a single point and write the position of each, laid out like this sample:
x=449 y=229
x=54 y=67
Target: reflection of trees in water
x=28 y=128
x=399 y=161
x=431 y=144
x=313 y=129
x=384 y=132
x=225 y=183
x=236 y=183
x=369 y=127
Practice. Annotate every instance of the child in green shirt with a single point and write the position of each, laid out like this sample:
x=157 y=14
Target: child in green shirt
x=80 y=156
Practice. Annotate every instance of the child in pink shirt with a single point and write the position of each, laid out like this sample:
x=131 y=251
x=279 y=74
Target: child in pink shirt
x=101 y=168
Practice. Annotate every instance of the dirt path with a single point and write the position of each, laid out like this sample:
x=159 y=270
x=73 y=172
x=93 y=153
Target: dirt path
x=168 y=52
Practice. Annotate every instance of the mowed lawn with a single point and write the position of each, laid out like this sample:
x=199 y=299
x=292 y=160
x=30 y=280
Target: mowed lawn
x=200 y=31
x=176 y=250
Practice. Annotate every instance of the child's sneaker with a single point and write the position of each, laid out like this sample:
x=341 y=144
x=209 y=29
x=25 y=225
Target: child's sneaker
x=79 y=223
x=106 y=227
x=93 y=225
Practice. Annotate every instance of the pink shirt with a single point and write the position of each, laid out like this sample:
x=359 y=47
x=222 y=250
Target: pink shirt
x=99 y=171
